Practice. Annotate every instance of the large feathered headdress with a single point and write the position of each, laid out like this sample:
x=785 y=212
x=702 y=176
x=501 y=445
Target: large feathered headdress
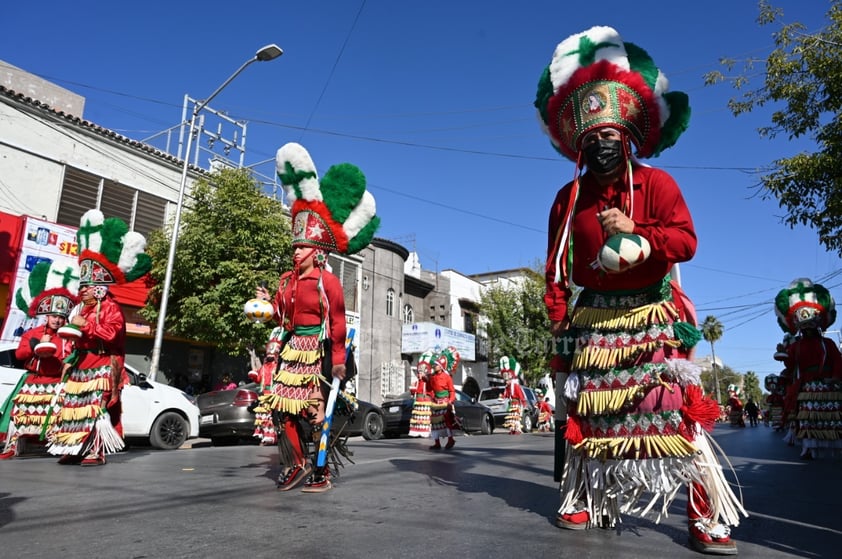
x=51 y=288
x=509 y=367
x=596 y=79
x=804 y=304
x=425 y=361
x=108 y=252
x=448 y=359
x=336 y=214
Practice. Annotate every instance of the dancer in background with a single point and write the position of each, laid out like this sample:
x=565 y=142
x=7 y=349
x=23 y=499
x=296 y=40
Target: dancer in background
x=510 y=371
x=264 y=425
x=443 y=416
x=42 y=350
x=419 y=421
x=813 y=401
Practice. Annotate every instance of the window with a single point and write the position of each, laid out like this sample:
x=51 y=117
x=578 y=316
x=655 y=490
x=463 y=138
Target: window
x=470 y=323
x=390 y=302
x=82 y=191
x=408 y=315
x=346 y=271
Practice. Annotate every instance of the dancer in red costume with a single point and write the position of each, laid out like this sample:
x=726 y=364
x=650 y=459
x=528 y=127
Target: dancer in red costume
x=637 y=417
x=813 y=400
x=310 y=305
x=443 y=394
x=510 y=371
x=264 y=425
x=545 y=413
x=419 y=421
x=88 y=424
x=42 y=351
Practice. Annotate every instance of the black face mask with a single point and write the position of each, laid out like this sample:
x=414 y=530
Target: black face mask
x=603 y=156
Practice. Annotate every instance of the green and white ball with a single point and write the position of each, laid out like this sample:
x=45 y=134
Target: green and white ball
x=622 y=252
x=258 y=310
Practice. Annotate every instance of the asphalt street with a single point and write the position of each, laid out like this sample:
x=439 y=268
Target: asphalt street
x=491 y=496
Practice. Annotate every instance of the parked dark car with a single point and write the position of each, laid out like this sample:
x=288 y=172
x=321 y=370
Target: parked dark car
x=475 y=417
x=493 y=398
x=225 y=414
x=226 y=417
x=367 y=421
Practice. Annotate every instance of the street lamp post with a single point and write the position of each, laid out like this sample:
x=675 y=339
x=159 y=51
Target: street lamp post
x=269 y=52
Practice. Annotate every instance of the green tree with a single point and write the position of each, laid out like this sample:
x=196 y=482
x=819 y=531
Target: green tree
x=712 y=331
x=516 y=323
x=716 y=380
x=232 y=237
x=751 y=387
x=802 y=78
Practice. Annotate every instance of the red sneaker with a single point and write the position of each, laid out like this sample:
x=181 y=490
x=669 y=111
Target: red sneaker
x=7 y=455
x=574 y=517
x=712 y=538
x=293 y=477
x=93 y=460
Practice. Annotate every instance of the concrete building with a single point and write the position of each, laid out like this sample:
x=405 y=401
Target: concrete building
x=56 y=165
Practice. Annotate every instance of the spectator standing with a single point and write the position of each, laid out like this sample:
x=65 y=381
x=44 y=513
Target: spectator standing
x=752 y=411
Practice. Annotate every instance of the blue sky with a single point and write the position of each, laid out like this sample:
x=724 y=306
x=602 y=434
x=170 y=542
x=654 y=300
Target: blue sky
x=433 y=101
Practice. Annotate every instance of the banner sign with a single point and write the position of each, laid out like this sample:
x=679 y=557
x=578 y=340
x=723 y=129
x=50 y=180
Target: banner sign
x=418 y=337
x=42 y=241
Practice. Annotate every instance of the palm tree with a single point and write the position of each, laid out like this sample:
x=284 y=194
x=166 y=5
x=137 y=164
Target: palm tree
x=712 y=332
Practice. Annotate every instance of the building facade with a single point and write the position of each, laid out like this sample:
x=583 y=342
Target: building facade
x=56 y=165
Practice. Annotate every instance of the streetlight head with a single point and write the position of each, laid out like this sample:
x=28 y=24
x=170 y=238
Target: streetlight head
x=269 y=52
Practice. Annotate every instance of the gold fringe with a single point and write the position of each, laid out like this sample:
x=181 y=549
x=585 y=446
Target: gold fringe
x=606 y=358
x=304 y=356
x=288 y=405
x=102 y=383
x=819 y=434
x=33 y=399
x=70 y=439
x=601 y=402
x=817 y=415
x=654 y=446
x=293 y=379
x=91 y=411
x=623 y=318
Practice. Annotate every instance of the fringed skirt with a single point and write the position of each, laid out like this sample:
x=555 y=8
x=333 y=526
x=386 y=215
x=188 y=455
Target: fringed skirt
x=438 y=418
x=264 y=427
x=34 y=408
x=420 y=420
x=83 y=423
x=297 y=377
x=818 y=419
x=634 y=434
x=514 y=417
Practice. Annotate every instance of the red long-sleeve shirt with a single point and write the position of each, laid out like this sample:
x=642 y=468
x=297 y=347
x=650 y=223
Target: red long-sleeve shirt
x=442 y=382
x=660 y=215
x=299 y=303
x=47 y=366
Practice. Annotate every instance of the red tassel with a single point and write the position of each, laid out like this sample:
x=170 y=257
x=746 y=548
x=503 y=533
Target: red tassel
x=699 y=409
x=573 y=432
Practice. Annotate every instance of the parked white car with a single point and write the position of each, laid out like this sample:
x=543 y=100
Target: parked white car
x=162 y=414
